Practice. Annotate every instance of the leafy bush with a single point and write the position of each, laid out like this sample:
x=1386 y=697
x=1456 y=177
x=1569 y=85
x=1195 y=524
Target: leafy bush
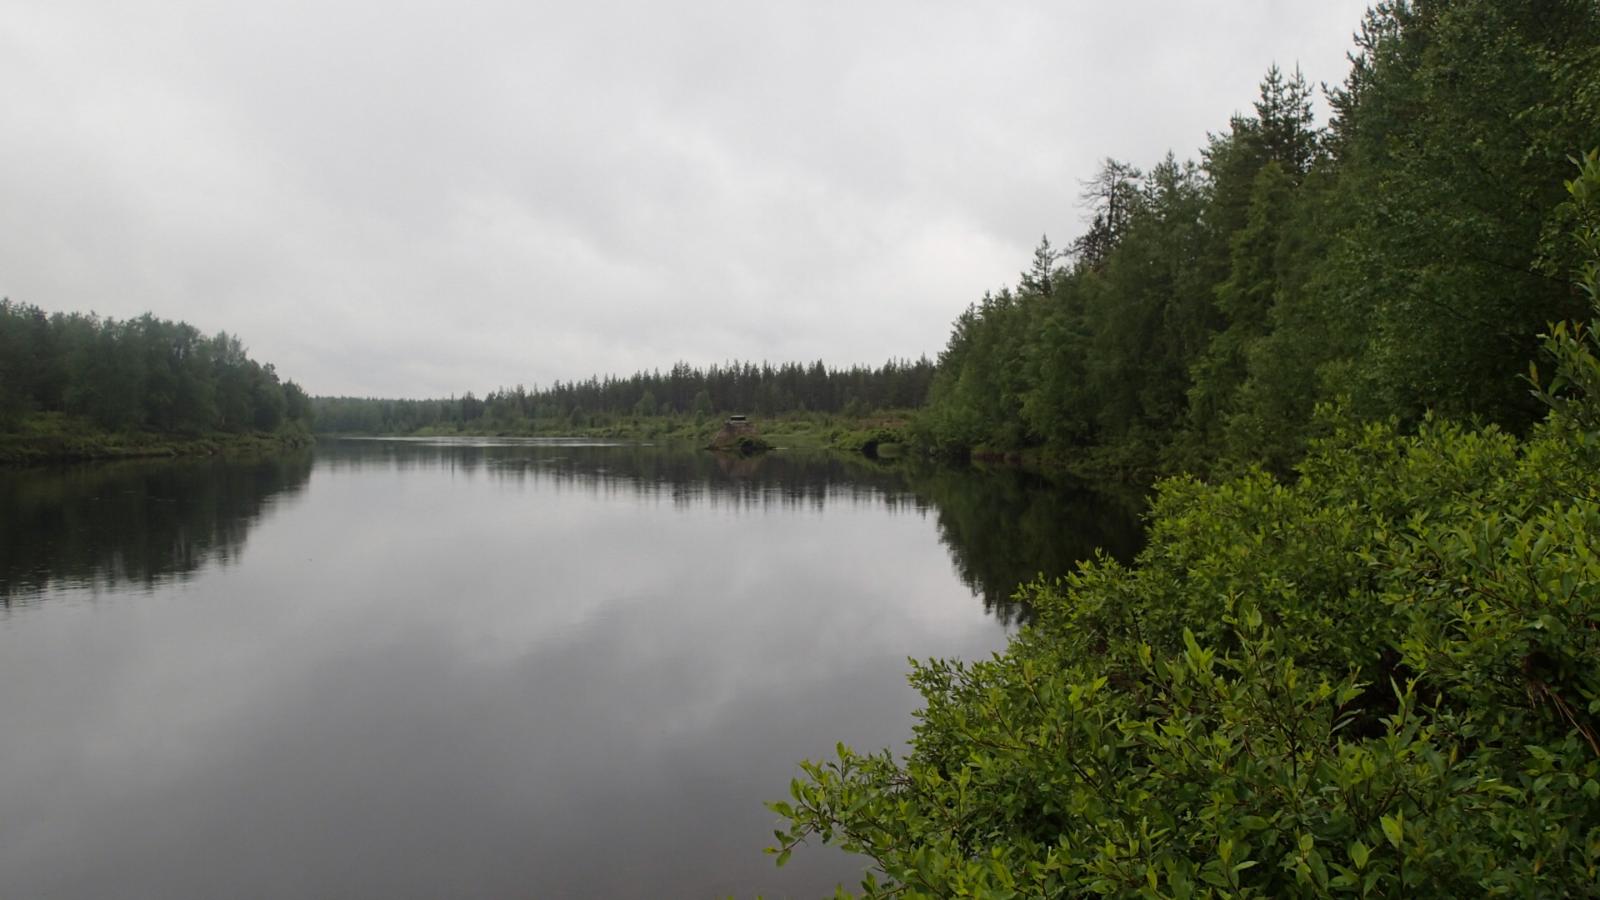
x=1382 y=679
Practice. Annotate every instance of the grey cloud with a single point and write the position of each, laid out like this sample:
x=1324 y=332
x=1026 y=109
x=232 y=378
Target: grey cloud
x=426 y=198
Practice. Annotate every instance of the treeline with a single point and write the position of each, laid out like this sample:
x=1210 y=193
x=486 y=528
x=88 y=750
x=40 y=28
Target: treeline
x=1378 y=679
x=745 y=387
x=145 y=373
x=1403 y=257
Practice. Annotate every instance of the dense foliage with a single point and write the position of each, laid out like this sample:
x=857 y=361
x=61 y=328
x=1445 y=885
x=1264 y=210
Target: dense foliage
x=1381 y=678
x=145 y=373
x=685 y=390
x=1405 y=256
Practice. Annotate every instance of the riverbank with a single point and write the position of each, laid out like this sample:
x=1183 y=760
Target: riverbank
x=53 y=437
x=792 y=431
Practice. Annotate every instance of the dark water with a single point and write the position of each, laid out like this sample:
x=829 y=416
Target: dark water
x=408 y=669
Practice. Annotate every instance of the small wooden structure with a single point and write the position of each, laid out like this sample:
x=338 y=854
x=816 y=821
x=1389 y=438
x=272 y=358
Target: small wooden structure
x=738 y=435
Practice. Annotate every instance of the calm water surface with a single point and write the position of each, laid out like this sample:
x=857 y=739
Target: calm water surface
x=463 y=669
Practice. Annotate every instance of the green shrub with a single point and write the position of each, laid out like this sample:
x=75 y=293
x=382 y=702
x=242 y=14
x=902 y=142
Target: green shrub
x=1381 y=679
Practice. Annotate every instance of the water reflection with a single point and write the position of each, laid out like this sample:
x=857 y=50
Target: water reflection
x=679 y=475
x=422 y=669
x=139 y=523
x=146 y=523
x=1005 y=528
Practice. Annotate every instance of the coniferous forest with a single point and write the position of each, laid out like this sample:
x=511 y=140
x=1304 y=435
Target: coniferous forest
x=1400 y=258
x=1359 y=652
x=64 y=375
x=735 y=387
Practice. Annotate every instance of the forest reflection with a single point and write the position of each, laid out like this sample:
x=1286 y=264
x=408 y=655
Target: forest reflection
x=644 y=473
x=134 y=524
x=1006 y=527
x=143 y=524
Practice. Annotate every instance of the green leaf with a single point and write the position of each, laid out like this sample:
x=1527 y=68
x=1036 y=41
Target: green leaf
x=1393 y=828
x=1359 y=853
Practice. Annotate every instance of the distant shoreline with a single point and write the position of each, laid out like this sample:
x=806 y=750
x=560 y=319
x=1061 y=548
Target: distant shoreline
x=795 y=431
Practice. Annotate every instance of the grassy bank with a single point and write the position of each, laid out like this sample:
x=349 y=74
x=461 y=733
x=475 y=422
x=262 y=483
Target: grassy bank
x=54 y=437
x=790 y=431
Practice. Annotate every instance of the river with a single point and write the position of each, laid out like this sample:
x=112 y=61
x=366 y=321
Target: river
x=407 y=668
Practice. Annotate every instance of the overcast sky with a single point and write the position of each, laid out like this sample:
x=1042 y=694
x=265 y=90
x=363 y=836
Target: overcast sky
x=409 y=198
